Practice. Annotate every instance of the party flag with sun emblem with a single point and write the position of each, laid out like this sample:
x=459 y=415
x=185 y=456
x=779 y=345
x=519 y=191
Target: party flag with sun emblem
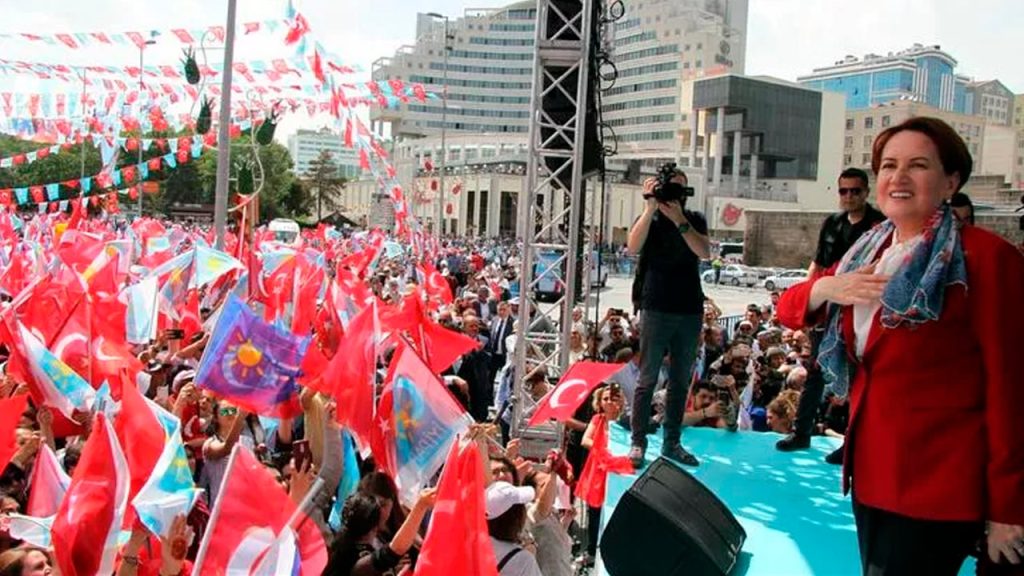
x=417 y=422
x=169 y=491
x=252 y=363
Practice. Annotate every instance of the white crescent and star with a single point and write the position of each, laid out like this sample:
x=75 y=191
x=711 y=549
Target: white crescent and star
x=582 y=389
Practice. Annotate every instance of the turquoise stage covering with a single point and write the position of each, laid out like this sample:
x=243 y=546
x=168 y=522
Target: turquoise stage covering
x=790 y=504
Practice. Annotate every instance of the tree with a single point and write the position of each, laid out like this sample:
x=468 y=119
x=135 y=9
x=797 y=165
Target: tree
x=277 y=174
x=322 y=176
x=298 y=202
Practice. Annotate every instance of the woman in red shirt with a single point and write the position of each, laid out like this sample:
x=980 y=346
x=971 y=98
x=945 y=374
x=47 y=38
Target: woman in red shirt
x=921 y=323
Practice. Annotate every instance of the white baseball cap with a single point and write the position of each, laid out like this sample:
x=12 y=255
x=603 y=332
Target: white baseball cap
x=501 y=496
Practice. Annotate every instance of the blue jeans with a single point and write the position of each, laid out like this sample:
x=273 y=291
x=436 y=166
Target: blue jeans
x=663 y=333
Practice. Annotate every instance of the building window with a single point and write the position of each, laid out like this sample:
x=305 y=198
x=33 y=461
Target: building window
x=865 y=158
x=886 y=120
x=868 y=140
x=869 y=122
x=847 y=160
x=849 y=123
x=849 y=143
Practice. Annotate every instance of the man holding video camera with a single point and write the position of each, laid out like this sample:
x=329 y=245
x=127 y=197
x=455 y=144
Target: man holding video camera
x=670 y=241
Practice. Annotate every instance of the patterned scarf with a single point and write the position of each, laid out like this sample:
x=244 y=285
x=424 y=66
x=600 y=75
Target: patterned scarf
x=914 y=295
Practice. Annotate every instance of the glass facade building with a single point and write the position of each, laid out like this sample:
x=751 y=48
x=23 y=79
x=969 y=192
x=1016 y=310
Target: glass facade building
x=922 y=74
x=778 y=125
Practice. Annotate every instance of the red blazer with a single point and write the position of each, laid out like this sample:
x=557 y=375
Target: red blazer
x=937 y=410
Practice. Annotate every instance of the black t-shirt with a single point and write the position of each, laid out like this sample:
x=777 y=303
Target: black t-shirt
x=668 y=278
x=838 y=234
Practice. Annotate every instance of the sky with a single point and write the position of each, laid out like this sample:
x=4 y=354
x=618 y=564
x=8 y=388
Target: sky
x=786 y=38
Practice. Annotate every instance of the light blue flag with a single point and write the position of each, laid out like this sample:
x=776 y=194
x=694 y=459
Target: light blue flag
x=349 y=479
x=170 y=490
x=141 y=319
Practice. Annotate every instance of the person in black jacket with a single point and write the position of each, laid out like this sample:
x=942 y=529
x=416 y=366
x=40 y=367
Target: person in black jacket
x=670 y=241
x=838 y=233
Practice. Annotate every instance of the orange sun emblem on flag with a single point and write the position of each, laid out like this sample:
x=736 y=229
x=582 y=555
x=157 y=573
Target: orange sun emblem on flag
x=246 y=357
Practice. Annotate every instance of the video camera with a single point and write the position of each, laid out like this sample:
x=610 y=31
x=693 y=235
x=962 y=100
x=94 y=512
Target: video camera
x=666 y=190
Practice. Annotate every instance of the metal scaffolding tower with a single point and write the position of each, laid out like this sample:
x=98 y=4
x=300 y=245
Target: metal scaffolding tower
x=551 y=230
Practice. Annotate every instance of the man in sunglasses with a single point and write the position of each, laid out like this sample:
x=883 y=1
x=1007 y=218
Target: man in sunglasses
x=842 y=229
x=838 y=233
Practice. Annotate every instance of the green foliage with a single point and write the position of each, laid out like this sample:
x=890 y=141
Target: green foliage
x=66 y=165
x=322 y=177
x=193 y=182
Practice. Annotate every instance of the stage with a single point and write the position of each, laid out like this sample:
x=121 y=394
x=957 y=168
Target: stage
x=790 y=504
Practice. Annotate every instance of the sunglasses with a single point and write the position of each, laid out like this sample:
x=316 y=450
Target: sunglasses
x=228 y=411
x=845 y=191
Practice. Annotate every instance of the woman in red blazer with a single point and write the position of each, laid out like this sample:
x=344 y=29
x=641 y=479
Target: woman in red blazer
x=923 y=321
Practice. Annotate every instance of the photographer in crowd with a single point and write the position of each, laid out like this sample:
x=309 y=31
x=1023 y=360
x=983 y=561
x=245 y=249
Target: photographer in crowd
x=670 y=241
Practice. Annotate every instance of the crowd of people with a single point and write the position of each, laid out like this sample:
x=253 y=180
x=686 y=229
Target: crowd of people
x=682 y=367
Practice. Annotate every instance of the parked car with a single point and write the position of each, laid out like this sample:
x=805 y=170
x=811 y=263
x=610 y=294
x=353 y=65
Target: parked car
x=733 y=274
x=784 y=280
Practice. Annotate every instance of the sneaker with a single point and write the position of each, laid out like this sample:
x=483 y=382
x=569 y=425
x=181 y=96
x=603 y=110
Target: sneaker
x=636 y=456
x=793 y=442
x=836 y=456
x=679 y=454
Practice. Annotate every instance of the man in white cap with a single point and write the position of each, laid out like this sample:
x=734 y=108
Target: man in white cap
x=506 y=517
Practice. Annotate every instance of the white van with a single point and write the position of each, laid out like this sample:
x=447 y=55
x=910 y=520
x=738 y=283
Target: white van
x=285 y=231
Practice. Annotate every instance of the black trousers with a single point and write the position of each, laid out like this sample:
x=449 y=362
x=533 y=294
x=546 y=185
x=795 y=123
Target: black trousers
x=895 y=545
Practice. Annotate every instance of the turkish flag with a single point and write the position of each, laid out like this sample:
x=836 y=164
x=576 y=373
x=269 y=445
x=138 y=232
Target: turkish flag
x=443 y=346
x=350 y=375
x=88 y=522
x=143 y=439
x=241 y=535
x=572 y=390
x=457 y=540
x=591 y=486
x=435 y=284
x=11 y=410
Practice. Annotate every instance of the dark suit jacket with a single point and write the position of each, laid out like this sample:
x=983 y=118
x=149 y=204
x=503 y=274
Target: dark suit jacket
x=492 y=345
x=935 y=428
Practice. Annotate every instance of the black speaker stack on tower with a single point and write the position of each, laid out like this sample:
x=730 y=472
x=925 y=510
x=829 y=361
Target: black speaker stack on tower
x=669 y=524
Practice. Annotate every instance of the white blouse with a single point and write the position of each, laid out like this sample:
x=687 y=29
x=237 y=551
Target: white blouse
x=888 y=264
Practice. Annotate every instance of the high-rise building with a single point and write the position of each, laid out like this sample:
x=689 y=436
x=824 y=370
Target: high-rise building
x=924 y=74
x=490 y=73
x=305 y=146
x=657 y=47
x=992 y=100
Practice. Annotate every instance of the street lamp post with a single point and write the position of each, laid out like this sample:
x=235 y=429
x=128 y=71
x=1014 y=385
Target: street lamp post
x=220 y=199
x=444 y=125
x=142 y=88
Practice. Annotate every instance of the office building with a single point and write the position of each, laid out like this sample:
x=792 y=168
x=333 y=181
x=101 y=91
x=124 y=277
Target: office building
x=992 y=100
x=1018 y=111
x=923 y=74
x=997 y=151
x=305 y=146
x=658 y=47
x=766 y=144
x=490 y=73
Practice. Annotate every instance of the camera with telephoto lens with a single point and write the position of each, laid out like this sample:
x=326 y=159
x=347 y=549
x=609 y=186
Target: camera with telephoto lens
x=666 y=190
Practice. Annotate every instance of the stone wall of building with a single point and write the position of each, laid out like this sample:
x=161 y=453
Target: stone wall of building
x=789 y=239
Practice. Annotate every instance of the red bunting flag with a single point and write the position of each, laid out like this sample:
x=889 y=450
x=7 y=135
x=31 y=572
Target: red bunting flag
x=572 y=390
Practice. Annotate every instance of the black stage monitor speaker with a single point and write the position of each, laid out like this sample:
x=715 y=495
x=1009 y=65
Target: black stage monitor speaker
x=669 y=524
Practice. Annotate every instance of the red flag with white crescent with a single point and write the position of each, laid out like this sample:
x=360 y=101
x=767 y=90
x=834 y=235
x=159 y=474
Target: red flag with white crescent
x=572 y=390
